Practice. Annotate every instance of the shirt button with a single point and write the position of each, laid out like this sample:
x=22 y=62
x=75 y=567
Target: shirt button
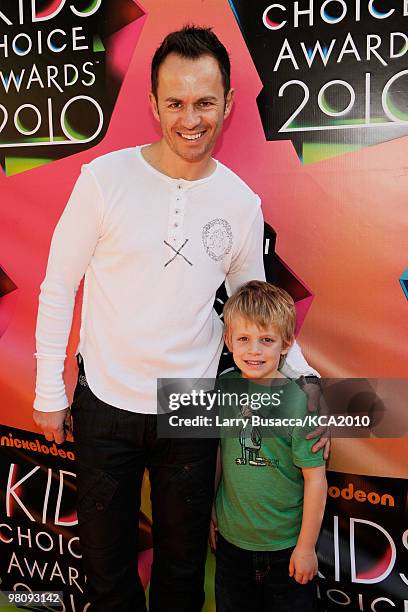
x=177 y=211
x=178 y=186
x=176 y=225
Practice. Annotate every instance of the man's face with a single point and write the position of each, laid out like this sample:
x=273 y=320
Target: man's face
x=190 y=105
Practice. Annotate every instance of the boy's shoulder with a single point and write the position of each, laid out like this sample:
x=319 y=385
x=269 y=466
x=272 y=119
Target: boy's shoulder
x=230 y=381
x=294 y=392
x=230 y=374
x=293 y=398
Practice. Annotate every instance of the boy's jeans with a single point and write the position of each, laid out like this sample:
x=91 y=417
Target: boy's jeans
x=246 y=580
x=113 y=447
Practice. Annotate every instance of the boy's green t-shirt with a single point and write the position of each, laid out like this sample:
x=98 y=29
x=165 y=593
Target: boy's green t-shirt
x=260 y=498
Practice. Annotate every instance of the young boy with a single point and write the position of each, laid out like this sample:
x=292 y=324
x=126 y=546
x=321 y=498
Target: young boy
x=270 y=501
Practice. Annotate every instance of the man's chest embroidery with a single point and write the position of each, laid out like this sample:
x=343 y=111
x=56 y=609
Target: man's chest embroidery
x=217 y=238
x=177 y=252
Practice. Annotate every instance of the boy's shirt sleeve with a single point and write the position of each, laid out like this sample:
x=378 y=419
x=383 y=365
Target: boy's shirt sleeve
x=301 y=448
x=302 y=452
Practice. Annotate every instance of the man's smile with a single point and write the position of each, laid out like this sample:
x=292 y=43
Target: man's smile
x=191 y=136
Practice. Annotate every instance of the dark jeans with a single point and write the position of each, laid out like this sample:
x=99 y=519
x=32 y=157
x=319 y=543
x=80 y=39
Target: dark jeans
x=246 y=580
x=113 y=448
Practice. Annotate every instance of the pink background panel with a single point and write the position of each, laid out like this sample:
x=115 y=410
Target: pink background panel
x=341 y=223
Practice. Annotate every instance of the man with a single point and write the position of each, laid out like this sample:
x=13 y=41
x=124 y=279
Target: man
x=155 y=230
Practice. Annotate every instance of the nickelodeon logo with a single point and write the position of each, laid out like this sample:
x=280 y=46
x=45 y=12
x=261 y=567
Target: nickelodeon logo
x=372 y=497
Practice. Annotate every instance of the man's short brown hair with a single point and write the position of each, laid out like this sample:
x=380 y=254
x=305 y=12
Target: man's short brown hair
x=192 y=42
x=263 y=304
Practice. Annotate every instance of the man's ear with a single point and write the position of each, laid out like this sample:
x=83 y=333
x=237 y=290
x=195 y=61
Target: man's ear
x=229 y=101
x=287 y=346
x=154 y=106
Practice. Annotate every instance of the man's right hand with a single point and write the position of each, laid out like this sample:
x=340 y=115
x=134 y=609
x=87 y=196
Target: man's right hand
x=55 y=425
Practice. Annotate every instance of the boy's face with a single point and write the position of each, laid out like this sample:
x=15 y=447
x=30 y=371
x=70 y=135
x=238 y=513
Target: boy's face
x=256 y=351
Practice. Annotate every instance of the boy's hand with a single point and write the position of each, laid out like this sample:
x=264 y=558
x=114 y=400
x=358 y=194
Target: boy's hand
x=213 y=530
x=303 y=565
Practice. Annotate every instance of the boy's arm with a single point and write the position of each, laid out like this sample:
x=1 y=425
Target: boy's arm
x=218 y=471
x=303 y=562
x=214 y=523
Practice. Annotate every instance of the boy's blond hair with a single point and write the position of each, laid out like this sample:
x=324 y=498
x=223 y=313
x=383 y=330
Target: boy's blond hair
x=263 y=304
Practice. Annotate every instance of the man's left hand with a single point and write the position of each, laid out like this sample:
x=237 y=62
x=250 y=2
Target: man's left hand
x=314 y=402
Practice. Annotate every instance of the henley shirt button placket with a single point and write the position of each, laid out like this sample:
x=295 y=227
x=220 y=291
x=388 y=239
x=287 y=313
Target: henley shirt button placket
x=176 y=223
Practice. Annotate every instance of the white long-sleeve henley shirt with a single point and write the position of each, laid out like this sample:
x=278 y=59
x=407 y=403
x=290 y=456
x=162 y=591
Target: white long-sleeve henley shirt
x=154 y=251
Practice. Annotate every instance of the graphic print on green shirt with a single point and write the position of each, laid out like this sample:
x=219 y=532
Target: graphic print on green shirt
x=260 y=498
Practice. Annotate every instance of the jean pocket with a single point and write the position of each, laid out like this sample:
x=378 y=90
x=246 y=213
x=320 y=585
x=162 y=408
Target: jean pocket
x=194 y=483
x=96 y=489
x=92 y=420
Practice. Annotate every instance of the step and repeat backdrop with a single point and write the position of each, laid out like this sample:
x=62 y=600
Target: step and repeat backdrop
x=320 y=131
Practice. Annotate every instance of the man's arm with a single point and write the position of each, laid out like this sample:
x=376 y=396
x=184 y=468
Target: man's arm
x=72 y=247
x=303 y=562
x=248 y=265
x=248 y=262
x=296 y=365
